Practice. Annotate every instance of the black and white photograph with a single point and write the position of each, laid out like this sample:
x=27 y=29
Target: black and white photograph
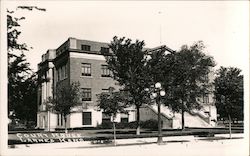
x=123 y=78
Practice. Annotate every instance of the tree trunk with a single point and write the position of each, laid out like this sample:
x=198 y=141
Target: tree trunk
x=182 y=116
x=137 y=120
x=114 y=132
x=230 y=128
x=159 y=140
x=65 y=122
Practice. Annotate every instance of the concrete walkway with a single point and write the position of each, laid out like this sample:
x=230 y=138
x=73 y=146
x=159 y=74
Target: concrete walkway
x=174 y=146
x=129 y=142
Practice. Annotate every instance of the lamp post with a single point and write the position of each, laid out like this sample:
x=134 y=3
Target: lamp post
x=157 y=94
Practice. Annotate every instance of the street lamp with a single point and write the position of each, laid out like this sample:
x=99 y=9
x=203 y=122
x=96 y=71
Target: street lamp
x=157 y=94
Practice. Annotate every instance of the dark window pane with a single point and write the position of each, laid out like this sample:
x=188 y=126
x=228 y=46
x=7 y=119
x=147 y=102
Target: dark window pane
x=86 y=69
x=104 y=50
x=124 y=120
x=86 y=118
x=85 y=47
x=105 y=71
x=86 y=94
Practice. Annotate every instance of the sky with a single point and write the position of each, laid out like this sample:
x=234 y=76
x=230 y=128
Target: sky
x=223 y=26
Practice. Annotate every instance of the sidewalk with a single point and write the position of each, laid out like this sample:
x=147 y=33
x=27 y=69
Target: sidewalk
x=129 y=142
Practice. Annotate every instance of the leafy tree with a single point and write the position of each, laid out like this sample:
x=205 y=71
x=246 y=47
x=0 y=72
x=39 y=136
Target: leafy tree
x=66 y=97
x=112 y=103
x=183 y=76
x=128 y=67
x=22 y=81
x=229 y=94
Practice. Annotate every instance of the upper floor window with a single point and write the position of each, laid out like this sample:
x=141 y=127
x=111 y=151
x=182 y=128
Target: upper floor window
x=105 y=71
x=86 y=69
x=105 y=90
x=85 y=47
x=205 y=98
x=62 y=72
x=104 y=50
x=86 y=92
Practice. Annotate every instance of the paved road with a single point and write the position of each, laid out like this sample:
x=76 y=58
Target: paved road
x=194 y=147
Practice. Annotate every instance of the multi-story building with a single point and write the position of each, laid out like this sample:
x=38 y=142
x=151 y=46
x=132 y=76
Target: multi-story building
x=83 y=61
x=77 y=61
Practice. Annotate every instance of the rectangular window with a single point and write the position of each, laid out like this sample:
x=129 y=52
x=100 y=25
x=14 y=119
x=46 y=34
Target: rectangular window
x=124 y=118
x=206 y=98
x=65 y=71
x=86 y=69
x=105 y=71
x=58 y=74
x=62 y=119
x=86 y=94
x=62 y=73
x=206 y=78
x=104 y=50
x=105 y=117
x=85 y=47
x=58 y=120
x=86 y=118
x=105 y=90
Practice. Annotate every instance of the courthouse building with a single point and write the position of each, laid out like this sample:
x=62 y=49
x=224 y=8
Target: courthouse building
x=83 y=61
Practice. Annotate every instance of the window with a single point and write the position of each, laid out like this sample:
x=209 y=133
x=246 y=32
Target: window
x=124 y=118
x=59 y=120
x=65 y=71
x=206 y=98
x=86 y=69
x=207 y=113
x=105 y=118
x=105 y=90
x=86 y=118
x=206 y=78
x=85 y=47
x=86 y=94
x=105 y=71
x=62 y=73
x=104 y=50
x=58 y=74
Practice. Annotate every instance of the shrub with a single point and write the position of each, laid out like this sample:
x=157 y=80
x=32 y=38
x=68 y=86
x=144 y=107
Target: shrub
x=105 y=125
x=149 y=124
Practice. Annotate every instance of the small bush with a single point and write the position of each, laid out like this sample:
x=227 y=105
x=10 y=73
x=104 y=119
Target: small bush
x=105 y=125
x=149 y=124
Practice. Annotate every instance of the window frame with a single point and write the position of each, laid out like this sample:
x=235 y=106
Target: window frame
x=105 y=72
x=105 y=50
x=85 y=69
x=205 y=98
x=86 y=94
x=85 y=47
x=88 y=118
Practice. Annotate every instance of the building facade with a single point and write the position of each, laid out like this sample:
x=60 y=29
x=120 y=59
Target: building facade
x=76 y=61
x=83 y=61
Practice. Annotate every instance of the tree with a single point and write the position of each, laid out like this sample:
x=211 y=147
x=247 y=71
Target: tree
x=66 y=97
x=229 y=94
x=22 y=81
x=127 y=64
x=183 y=76
x=112 y=103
